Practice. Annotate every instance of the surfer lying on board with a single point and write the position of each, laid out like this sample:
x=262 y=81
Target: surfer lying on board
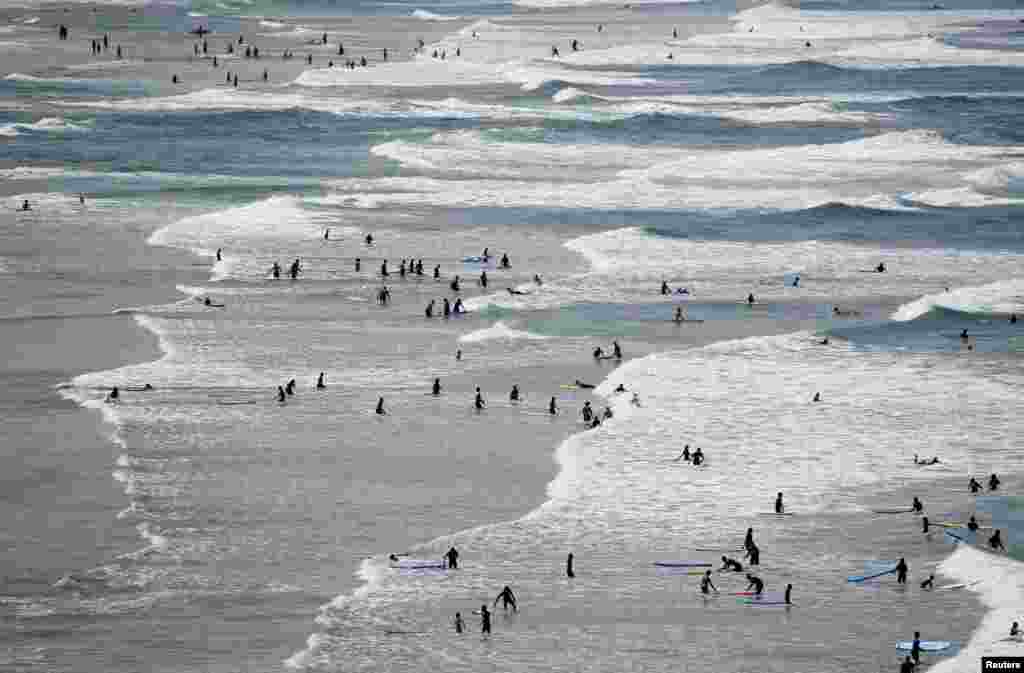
x=755 y=583
x=928 y=583
x=731 y=565
x=581 y=384
x=208 y=302
x=972 y=524
x=517 y=292
x=706 y=583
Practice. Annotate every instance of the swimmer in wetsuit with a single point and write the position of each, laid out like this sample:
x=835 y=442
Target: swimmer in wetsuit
x=685 y=455
x=581 y=384
x=706 y=583
x=901 y=571
x=320 y=385
x=380 y=407
x=507 y=598
x=779 y=509
x=485 y=620
x=514 y=395
x=972 y=524
x=664 y=287
x=698 y=457
x=436 y=390
x=750 y=299
x=731 y=564
x=459 y=624
x=516 y=292
x=928 y=583
x=620 y=388
x=996 y=542
x=973 y=486
x=280 y=394
x=452 y=557
x=993 y=483
x=552 y=407
x=755 y=583
x=478 y=402
x=917 y=505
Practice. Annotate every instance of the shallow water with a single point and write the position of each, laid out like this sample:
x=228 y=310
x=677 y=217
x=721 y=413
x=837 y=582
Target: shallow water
x=219 y=528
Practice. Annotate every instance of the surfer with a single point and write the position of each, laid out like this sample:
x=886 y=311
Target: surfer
x=698 y=457
x=679 y=315
x=457 y=307
x=219 y=258
x=359 y=264
x=664 y=287
x=537 y=280
x=796 y=281
x=928 y=583
x=507 y=598
x=880 y=268
x=993 y=482
x=581 y=384
x=636 y=399
x=915 y=648
x=208 y=302
x=295 y=269
x=478 y=402
x=320 y=385
x=552 y=407
x=972 y=524
x=568 y=566
x=1014 y=630
x=452 y=556
x=789 y=594
x=587 y=412
x=458 y=355
x=824 y=342
x=973 y=485
x=817 y=397
x=380 y=407
x=754 y=554
x=706 y=583
x=447 y=310
x=485 y=619
x=750 y=299
x=963 y=334
x=290 y=387
x=924 y=525
x=514 y=395
x=607 y=413
x=113 y=395
x=459 y=625
x=731 y=564
x=511 y=291
x=436 y=390
x=779 y=509
x=369 y=239
x=429 y=311
x=617 y=350
x=685 y=455
x=901 y=571
x=598 y=353
x=384 y=269
x=455 y=284
x=996 y=542
x=749 y=540
x=25 y=205
x=483 y=279
x=505 y=263
x=755 y=583
x=907 y=666
x=1013 y=318
x=437 y=272
x=280 y=394
x=486 y=255
x=917 y=505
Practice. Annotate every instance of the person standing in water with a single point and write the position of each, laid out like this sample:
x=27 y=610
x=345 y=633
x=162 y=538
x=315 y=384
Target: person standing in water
x=514 y=395
x=380 y=407
x=916 y=505
x=452 y=556
x=485 y=620
x=459 y=625
x=320 y=385
x=478 y=402
x=568 y=567
x=617 y=350
x=750 y=299
x=779 y=509
x=507 y=598
x=552 y=407
x=706 y=584
x=436 y=390
x=754 y=583
x=996 y=542
x=280 y=395
x=901 y=571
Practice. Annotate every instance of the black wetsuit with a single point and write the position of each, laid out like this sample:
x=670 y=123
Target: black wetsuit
x=514 y=395
x=756 y=584
x=453 y=558
x=901 y=572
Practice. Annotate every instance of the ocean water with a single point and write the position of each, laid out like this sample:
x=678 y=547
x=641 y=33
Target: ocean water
x=781 y=151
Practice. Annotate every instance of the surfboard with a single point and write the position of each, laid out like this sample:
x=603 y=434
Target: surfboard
x=476 y=260
x=722 y=550
x=953 y=587
x=410 y=564
x=682 y=564
x=926 y=645
x=686 y=320
x=861 y=578
x=892 y=511
x=775 y=513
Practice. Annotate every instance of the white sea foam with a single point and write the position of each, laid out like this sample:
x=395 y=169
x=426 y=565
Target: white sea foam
x=498 y=330
x=431 y=16
x=1004 y=296
x=47 y=124
x=1000 y=585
